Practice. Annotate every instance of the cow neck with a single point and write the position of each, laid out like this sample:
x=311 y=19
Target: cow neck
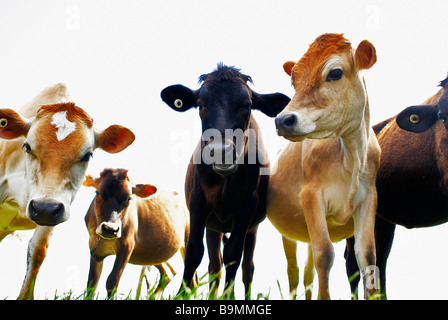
x=355 y=145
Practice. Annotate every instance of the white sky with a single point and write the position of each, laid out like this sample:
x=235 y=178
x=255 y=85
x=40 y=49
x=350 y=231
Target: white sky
x=116 y=57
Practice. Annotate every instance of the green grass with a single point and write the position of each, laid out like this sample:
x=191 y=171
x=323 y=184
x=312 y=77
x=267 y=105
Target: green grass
x=199 y=292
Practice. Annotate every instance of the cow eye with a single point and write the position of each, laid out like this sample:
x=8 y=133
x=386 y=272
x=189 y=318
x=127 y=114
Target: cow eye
x=28 y=148
x=334 y=74
x=86 y=157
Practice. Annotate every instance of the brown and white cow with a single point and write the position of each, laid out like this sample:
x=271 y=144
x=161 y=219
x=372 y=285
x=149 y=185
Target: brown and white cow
x=43 y=160
x=137 y=223
x=323 y=190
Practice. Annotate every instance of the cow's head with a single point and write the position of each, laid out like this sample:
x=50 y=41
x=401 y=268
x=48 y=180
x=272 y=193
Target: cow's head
x=114 y=192
x=225 y=103
x=59 y=142
x=330 y=97
x=423 y=117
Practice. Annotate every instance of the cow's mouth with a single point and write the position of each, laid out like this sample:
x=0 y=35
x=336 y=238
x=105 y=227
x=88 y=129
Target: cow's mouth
x=224 y=169
x=295 y=138
x=108 y=237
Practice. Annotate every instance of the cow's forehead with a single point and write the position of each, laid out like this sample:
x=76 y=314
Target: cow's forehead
x=64 y=111
x=307 y=71
x=234 y=89
x=61 y=128
x=113 y=183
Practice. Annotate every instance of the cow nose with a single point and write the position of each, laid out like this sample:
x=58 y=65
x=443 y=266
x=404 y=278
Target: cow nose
x=226 y=150
x=286 y=122
x=46 y=213
x=109 y=230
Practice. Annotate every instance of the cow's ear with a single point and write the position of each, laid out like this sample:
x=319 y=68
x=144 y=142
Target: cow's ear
x=287 y=66
x=418 y=118
x=179 y=97
x=270 y=104
x=90 y=181
x=365 y=55
x=144 y=190
x=12 y=125
x=114 y=139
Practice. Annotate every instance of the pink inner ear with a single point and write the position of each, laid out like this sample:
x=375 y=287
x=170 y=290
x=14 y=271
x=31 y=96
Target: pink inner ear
x=144 y=190
x=149 y=190
x=365 y=55
x=115 y=139
x=287 y=66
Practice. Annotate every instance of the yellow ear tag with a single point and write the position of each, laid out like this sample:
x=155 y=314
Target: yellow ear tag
x=414 y=118
x=178 y=103
x=3 y=122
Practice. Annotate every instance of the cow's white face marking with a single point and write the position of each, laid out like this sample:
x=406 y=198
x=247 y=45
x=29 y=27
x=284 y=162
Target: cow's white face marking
x=65 y=127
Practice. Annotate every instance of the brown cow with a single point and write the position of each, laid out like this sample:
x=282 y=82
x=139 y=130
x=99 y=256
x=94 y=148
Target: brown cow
x=412 y=180
x=324 y=188
x=44 y=153
x=134 y=223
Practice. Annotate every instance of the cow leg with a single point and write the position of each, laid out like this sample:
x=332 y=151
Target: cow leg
x=94 y=275
x=308 y=276
x=195 y=246
x=323 y=251
x=164 y=277
x=233 y=248
x=37 y=250
x=351 y=267
x=384 y=237
x=364 y=219
x=195 y=280
x=214 y=252
x=233 y=252
x=248 y=259
x=290 y=248
x=193 y=257
x=121 y=260
x=166 y=264
x=140 y=281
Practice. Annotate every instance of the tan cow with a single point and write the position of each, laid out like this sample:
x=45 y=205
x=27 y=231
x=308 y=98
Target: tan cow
x=43 y=160
x=137 y=223
x=323 y=190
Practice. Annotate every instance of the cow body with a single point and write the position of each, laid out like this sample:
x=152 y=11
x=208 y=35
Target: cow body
x=134 y=224
x=324 y=187
x=227 y=177
x=412 y=177
x=43 y=160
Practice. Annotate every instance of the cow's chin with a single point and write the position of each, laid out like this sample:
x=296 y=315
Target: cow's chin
x=224 y=169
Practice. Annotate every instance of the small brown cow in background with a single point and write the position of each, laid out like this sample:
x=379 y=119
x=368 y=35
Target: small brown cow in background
x=134 y=223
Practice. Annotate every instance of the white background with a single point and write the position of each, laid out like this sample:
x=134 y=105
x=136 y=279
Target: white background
x=116 y=57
